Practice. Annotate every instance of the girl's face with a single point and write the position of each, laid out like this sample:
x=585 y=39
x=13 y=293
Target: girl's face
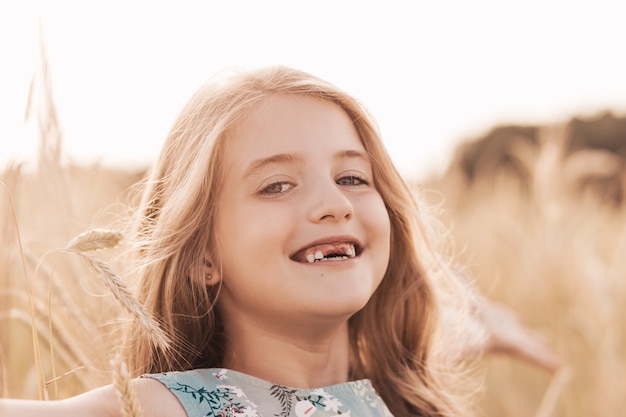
x=302 y=233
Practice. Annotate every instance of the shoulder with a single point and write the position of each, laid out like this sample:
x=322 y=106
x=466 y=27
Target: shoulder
x=157 y=400
x=152 y=397
x=196 y=391
x=217 y=391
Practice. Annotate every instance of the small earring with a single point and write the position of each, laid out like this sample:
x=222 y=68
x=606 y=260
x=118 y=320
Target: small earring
x=208 y=270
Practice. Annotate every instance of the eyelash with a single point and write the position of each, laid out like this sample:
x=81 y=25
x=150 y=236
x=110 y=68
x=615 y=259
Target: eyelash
x=266 y=190
x=354 y=180
x=360 y=180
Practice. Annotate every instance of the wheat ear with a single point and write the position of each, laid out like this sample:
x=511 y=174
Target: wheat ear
x=122 y=382
x=101 y=238
x=94 y=239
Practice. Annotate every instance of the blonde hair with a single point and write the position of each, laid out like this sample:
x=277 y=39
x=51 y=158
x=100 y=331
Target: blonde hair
x=392 y=337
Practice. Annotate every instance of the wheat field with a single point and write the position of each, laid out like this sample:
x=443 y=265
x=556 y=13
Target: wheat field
x=552 y=252
x=555 y=254
x=555 y=257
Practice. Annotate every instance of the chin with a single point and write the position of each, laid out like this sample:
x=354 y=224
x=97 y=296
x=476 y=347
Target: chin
x=343 y=309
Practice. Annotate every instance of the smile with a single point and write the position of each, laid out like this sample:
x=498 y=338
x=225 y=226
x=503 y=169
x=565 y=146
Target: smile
x=325 y=252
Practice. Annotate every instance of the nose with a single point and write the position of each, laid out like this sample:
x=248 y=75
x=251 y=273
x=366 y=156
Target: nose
x=330 y=204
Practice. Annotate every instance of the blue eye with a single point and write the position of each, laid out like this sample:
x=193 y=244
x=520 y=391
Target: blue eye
x=352 y=180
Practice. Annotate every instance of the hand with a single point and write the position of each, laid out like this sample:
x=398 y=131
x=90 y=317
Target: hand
x=505 y=334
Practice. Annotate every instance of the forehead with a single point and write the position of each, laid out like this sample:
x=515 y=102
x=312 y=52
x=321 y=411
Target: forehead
x=293 y=124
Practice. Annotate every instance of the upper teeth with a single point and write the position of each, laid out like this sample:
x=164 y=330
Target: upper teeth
x=319 y=256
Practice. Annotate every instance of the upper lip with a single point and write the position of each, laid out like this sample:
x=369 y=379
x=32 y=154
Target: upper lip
x=330 y=240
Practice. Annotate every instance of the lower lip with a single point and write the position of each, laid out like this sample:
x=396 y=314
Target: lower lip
x=339 y=262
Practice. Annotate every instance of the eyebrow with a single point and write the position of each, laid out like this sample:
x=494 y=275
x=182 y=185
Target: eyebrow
x=353 y=153
x=288 y=158
x=257 y=164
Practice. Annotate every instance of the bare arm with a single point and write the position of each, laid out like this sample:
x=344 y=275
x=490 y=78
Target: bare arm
x=155 y=400
x=101 y=402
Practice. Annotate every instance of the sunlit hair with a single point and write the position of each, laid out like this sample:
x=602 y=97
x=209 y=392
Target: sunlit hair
x=395 y=338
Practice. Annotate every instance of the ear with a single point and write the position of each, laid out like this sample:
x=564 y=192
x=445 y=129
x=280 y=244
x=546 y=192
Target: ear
x=210 y=272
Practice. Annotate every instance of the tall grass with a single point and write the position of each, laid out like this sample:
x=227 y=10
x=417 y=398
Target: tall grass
x=50 y=300
x=558 y=258
x=57 y=321
x=553 y=255
x=555 y=258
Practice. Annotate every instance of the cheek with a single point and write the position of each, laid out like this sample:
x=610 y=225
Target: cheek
x=378 y=224
x=386 y=234
x=248 y=239
x=380 y=218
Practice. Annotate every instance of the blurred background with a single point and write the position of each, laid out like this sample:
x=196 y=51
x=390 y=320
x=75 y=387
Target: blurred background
x=509 y=116
x=432 y=73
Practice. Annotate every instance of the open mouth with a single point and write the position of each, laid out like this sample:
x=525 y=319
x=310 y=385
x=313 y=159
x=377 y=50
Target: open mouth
x=327 y=252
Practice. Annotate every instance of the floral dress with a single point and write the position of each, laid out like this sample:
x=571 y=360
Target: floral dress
x=227 y=393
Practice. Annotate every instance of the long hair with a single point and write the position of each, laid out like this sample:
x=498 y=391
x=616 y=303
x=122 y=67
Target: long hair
x=393 y=338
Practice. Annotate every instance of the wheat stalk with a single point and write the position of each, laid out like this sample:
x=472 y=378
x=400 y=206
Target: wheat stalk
x=3 y=382
x=60 y=293
x=31 y=295
x=123 y=295
x=103 y=238
x=122 y=383
x=66 y=374
x=555 y=390
x=64 y=349
x=54 y=331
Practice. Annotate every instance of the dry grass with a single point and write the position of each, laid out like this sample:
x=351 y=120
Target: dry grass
x=94 y=239
x=553 y=258
x=556 y=257
x=129 y=302
x=73 y=316
x=126 y=395
x=58 y=326
x=553 y=255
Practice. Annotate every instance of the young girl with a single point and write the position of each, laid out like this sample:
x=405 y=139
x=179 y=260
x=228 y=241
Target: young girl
x=290 y=264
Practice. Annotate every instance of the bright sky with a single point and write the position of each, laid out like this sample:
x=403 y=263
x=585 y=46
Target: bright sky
x=432 y=73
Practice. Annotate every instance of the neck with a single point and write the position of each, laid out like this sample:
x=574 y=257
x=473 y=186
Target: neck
x=298 y=359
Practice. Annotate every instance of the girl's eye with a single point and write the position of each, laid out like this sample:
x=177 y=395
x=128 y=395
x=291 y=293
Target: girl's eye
x=352 y=180
x=276 y=188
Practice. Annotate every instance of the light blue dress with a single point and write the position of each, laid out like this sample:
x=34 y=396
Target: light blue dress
x=225 y=393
